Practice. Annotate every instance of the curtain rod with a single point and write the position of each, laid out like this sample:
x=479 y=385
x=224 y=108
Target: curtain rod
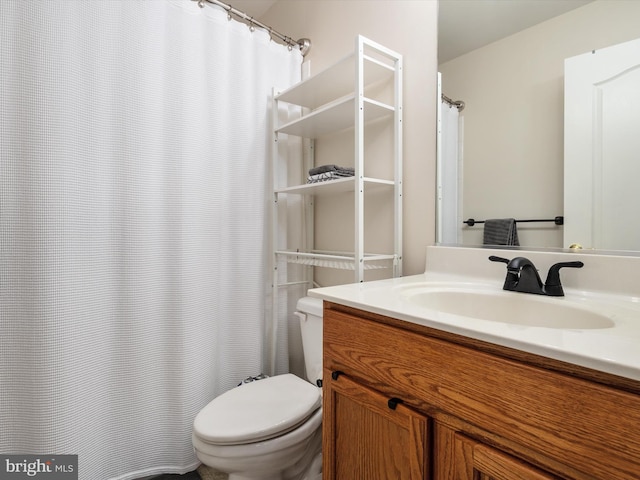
x=459 y=104
x=304 y=44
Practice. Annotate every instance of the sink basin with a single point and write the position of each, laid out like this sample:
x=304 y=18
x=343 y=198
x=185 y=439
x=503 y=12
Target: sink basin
x=508 y=307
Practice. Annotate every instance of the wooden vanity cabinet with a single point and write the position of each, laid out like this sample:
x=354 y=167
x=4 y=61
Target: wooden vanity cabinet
x=403 y=401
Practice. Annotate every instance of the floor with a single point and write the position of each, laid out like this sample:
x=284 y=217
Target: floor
x=202 y=473
x=170 y=476
x=207 y=473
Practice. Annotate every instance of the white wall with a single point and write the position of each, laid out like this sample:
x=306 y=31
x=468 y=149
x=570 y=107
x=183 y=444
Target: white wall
x=410 y=28
x=513 y=90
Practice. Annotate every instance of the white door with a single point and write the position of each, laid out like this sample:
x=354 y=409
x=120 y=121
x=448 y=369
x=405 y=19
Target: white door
x=602 y=148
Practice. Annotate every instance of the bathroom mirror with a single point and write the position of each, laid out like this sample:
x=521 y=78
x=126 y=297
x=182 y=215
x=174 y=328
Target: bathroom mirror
x=513 y=121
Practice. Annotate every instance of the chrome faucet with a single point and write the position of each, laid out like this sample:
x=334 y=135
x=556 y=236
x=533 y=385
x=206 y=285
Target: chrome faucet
x=522 y=276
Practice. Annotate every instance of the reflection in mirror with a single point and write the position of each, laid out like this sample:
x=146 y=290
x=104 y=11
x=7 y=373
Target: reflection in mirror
x=601 y=147
x=512 y=127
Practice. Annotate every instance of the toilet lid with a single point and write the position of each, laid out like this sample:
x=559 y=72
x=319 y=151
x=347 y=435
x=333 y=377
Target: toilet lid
x=257 y=411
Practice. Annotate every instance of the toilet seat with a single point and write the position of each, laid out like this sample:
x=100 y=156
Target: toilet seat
x=257 y=411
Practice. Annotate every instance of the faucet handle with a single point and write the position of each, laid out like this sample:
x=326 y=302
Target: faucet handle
x=558 y=266
x=553 y=286
x=493 y=258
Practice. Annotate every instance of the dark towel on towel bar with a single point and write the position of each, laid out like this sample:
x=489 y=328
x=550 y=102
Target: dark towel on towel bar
x=500 y=231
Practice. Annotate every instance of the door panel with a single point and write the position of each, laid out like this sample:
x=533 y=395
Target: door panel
x=476 y=461
x=368 y=439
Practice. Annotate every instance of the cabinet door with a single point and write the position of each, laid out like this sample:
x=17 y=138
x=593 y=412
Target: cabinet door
x=476 y=461
x=367 y=435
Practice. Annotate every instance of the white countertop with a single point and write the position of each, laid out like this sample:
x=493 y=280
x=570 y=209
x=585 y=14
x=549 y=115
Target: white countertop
x=615 y=350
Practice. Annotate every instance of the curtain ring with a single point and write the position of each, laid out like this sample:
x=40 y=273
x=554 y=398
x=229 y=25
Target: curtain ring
x=201 y=3
x=252 y=27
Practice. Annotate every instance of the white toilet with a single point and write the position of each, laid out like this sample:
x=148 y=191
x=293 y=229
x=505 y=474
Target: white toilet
x=269 y=429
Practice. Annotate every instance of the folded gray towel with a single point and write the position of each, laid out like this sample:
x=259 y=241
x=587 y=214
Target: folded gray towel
x=322 y=177
x=330 y=168
x=322 y=169
x=500 y=231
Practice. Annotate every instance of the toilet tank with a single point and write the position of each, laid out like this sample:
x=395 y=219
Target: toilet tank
x=309 y=310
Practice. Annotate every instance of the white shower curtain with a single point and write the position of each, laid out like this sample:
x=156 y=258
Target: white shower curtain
x=133 y=224
x=449 y=175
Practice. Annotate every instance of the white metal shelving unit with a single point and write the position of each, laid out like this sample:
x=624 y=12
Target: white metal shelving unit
x=332 y=101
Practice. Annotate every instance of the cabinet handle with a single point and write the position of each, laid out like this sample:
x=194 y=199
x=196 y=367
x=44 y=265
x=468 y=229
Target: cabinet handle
x=393 y=403
x=336 y=373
